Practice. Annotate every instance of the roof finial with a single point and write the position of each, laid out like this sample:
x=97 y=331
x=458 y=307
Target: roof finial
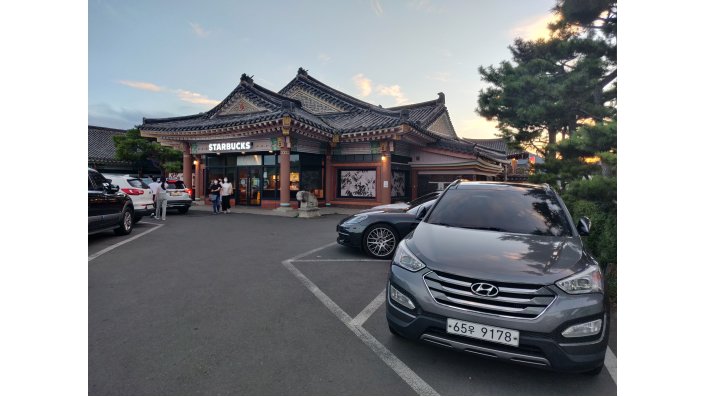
x=441 y=98
x=404 y=115
x=246 y=79
x=302 y=72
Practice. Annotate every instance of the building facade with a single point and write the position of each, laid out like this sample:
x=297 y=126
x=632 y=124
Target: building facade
x=311 y=137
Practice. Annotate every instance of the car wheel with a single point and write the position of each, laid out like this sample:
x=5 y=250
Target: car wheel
x=183 y=210
x=125 y=222
x=380 y=241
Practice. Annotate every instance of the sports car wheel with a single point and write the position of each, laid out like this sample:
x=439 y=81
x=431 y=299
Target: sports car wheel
x=380 y=241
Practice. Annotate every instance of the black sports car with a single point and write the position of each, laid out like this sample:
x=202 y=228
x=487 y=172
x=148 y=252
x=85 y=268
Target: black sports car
x=379 y=232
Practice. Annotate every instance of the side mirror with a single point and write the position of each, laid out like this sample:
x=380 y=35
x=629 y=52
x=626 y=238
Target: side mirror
x=422 y=213
x=109 y=187
x=584 y=226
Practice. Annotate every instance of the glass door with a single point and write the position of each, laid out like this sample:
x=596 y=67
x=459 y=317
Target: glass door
x=249 y=185
x=255 y=188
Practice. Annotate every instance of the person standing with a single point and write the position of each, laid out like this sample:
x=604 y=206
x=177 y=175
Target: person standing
x=162 y=198
x=214 y=195
x=153 y=186
x=225 y=193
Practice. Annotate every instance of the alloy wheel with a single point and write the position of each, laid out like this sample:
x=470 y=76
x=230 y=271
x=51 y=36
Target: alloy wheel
x=381 y=241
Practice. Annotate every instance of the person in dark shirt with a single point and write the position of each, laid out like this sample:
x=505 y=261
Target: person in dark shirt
x=214 y=192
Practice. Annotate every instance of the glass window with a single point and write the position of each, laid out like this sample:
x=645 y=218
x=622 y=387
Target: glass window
x=514 y=210
x=400 y=181
x=312 y=181
x=270 y=159
x=254 y=159
x=215 y=161
x=270 y=183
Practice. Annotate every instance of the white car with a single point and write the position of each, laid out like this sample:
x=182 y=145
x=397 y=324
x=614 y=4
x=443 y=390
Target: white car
x=138 y=191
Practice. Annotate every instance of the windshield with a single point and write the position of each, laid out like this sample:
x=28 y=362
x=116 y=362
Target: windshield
x=423 y=199
x=137 y=183
x=176 y=185
x=513 y=210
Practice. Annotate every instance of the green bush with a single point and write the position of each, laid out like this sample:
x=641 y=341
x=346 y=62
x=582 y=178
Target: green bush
x=602 y=241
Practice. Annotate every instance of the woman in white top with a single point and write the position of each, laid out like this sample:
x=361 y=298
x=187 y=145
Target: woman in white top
x=162 y=195
x=225 y=193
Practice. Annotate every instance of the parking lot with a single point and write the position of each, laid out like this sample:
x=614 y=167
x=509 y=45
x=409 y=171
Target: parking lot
x=251 y=304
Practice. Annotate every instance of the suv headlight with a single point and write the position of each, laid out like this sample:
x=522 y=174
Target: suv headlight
x=404 y=258
x=584 y=282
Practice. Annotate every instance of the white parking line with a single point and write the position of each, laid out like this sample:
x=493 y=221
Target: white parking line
x=370 y=309
x=112 y=247
x=406 y=373
x=611 y=364
x=341 y=260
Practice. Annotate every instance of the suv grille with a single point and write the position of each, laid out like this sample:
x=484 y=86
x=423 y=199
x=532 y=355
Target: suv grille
x=513 y=300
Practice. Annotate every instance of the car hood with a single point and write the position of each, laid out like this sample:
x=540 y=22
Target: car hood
x=397 y=207
x=497 y=256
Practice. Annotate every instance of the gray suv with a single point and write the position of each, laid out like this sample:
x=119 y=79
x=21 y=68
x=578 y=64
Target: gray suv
x=499 y=270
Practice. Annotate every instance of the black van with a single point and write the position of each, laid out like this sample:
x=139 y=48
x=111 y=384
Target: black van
x=108 y=207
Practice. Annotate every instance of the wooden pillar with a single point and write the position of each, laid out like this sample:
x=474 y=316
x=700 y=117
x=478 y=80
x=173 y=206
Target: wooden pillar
x=414 y=184
x=199 y=172
x=386 y=171
x=284 y=169
x=188 y=166
x=330 y=178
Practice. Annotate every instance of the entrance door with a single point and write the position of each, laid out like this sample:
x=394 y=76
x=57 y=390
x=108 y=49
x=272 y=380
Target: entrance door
x=249 y=185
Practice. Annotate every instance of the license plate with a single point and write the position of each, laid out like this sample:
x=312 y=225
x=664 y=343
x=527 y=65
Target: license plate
x=176 y=193
x=482 y=331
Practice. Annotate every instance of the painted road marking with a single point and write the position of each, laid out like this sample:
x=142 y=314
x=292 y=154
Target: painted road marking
x=404 y=372
x=112 y=247
x=341 y=260
x=370 y=309
x=611 y=364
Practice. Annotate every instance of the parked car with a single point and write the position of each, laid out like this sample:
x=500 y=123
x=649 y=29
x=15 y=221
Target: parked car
x=139 y=192
x=499 y=270
x=405 y=205
x=179 y=197
x=108 y=207
x=377 y=233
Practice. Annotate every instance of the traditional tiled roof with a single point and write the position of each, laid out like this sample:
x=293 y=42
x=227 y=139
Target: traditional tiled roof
x=100 y=142
x=314 y=103
x=497 y=144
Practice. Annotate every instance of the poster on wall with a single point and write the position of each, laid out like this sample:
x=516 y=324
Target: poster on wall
x=398 y=184
x=358 y=183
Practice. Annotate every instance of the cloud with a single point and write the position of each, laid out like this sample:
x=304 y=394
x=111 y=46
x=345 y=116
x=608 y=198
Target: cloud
x=534 y=28
x=443 y=77
x=323 y=57
x=427 y=6
x=198 y=30
x=377 y=7
x=194 y=97
x=393 y=91
x=477 y=127
x=141 y=85
x=104 y=115
x=363 y=84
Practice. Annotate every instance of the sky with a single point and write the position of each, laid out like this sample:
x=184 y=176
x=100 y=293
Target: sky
x=154 y=58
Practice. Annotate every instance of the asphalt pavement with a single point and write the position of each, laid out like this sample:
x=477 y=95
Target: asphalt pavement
x=243 y=303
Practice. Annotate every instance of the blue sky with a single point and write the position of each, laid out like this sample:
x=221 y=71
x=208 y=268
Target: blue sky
x=172 y=58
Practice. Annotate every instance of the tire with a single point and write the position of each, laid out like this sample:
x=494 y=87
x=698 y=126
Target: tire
x=183 y=210
x=376 y=241
x=126 y=222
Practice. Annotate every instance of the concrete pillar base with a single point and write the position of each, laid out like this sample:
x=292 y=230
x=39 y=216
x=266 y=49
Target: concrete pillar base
x=309 y=213
x=286 y=209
